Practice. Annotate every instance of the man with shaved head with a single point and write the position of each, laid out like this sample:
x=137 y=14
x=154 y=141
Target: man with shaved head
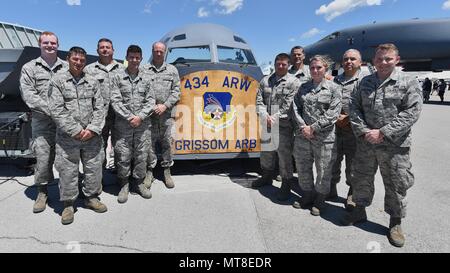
x=165 y=83
x=346 y=141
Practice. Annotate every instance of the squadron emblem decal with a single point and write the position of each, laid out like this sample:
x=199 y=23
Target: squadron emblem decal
x=218 y=113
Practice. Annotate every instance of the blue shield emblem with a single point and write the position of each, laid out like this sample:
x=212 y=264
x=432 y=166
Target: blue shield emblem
x=218 y=113
x=216 y=104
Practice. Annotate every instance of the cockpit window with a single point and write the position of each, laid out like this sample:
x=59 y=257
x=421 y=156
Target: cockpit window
x=197 y=54
x=235 y=55
x=179 y=37
x=239 y=39
x=331 y=36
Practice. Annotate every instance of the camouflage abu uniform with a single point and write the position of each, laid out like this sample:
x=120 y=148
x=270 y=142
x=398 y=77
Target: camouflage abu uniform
x=392 y=106
x=302 y=74
x=165 y=83
x=76 y=106
x=34 y=85
x=274 y=97
x=132 y=97
x=345 y=139
x=104 y=74
x=318 y=107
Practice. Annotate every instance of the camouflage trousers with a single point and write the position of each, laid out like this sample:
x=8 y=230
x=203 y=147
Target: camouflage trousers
x=109 y=127
x=284 y=152
x=345 y=146
x=395 y=168
x=43 y=147
x=162 y=133
x=131 y=148
x=322 y=154
x=69 y=153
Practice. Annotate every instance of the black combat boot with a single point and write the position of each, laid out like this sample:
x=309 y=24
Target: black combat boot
x=396 y=236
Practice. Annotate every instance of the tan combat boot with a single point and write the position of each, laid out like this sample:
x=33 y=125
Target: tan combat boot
x=144 y=191
x=319 y=204
x=168 y=178
x=94 y=204
x=67 y=214
x=306 y=200
x=396 y=236
x=149 y=178
x=350 y=205
x=41 y=200
x=122 y=197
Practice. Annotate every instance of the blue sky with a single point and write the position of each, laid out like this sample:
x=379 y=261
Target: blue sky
x=269 y=27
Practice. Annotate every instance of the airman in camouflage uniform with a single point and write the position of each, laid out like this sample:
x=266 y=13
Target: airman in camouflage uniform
x=76 y=106
x=273 y=101
x=298 y=68
x=316 y=108
x=34 y=85
x=301 y=72
x=383 y=110
x=103 y=70
x=165 y=82
x=133 y=100
x=345 y=139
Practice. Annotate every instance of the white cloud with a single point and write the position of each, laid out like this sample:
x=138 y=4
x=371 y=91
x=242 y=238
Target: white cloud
x=73 y=2
x=292 y=40
x=202 y=12
x=310 y=33
x=148 y=6
x=446 y=5
x=338 y=7
x=228 y=6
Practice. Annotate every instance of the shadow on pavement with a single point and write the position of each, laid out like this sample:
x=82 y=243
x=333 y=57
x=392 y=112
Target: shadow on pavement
x=446 y=103
x=372 y=227
x=20 y=167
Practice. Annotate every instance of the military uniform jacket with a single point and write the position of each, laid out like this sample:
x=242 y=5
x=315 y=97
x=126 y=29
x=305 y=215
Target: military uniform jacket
x=347 y=88
x=392 y=106
x=165 y=82
x=104 y=75
x=76 y=106
x=35 y=83
x=276 y=95
x=302 y=74
x=317 y=107
x=132 y=97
